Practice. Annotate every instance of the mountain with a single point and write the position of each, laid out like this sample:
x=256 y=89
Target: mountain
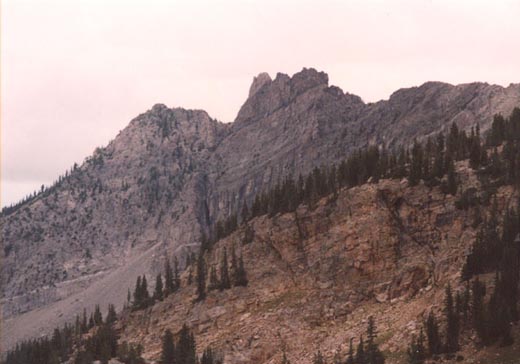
x=172 y=173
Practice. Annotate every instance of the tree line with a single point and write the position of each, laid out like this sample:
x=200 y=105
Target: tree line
x=366 y=352
x=141 y=295
x=233 y=275
x=183 y=349
x=59 y=347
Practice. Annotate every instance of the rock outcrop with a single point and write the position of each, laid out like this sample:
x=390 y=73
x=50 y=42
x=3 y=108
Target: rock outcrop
x=315 y=276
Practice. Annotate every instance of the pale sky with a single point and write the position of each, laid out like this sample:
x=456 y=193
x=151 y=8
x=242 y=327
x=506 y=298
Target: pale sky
x=75 y=72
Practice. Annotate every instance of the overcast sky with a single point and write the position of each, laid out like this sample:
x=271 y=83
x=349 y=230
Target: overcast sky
x=74 y=72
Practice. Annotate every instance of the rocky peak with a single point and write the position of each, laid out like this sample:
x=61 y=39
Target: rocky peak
x=308 y=78
x=258 y=82
x=267 y=95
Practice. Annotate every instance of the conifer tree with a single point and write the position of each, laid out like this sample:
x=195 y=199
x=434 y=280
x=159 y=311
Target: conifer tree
x=158 y=293
x=241 y=275
x=185 y=347
x=416 y=353
x=168 y=278
x=145 y=295
x=245 y=212
x=77 y=327
x=417 y=163
x=452 y=144
x=84 y=324
x=452 y=323
x=350 y=357
x=234 y=264
x=98 y=318
x=477 y=309
x=466 y=299
x=373 y=354
x=208 y=357
x=452 y=184
x=176 y=275
x=224 y=273
x=360 y=353
x=213 y=279
x=432 y=333
x=111 y=315
x=138 y=294
x=190 y=276
x=475 y=153
x=438 y=162
x=168 y=349
x=201 y=277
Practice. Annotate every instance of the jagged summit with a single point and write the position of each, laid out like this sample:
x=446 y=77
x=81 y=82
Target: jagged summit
x=309 y=78
x=258 y=82
x=267 y=95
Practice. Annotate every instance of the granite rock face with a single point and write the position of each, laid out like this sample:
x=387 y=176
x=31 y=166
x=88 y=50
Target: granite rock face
x=173 y=172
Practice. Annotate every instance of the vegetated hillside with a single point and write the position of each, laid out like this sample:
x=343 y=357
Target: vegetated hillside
x=307 y=271
x=385 y=250
x=173 y=173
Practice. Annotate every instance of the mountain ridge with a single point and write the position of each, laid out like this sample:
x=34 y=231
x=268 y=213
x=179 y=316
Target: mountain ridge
x=172 y=173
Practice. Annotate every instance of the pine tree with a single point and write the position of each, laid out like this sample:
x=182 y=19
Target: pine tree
x=77 y=327
x=477 y=309
x=224 y=273
x=190 y=276
x=475 y=153
x=130 y=353
x=417 y=163
x=158 y=293
x=360 y=353
x=432 y=333
x=466 y=299
x=241 y=275
x=373 y=354
x=234 y=264
x=168 y=349
x=438 y=162
x=84 y=324
x=452 y=323
x=98 y=318
x=176 y=275
x=138 y=295
x=145 y=295
x=499 y=315
x=168 y=278
x=208 y=357
x=249 y=234
x=201 y=277
x=452 y=183
x=510 y=263
x=111 y=315
x=185 y=347
x=350 y=357
x=213 y=279
x=245 y=213
x=417 y=352
x=452 y=144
